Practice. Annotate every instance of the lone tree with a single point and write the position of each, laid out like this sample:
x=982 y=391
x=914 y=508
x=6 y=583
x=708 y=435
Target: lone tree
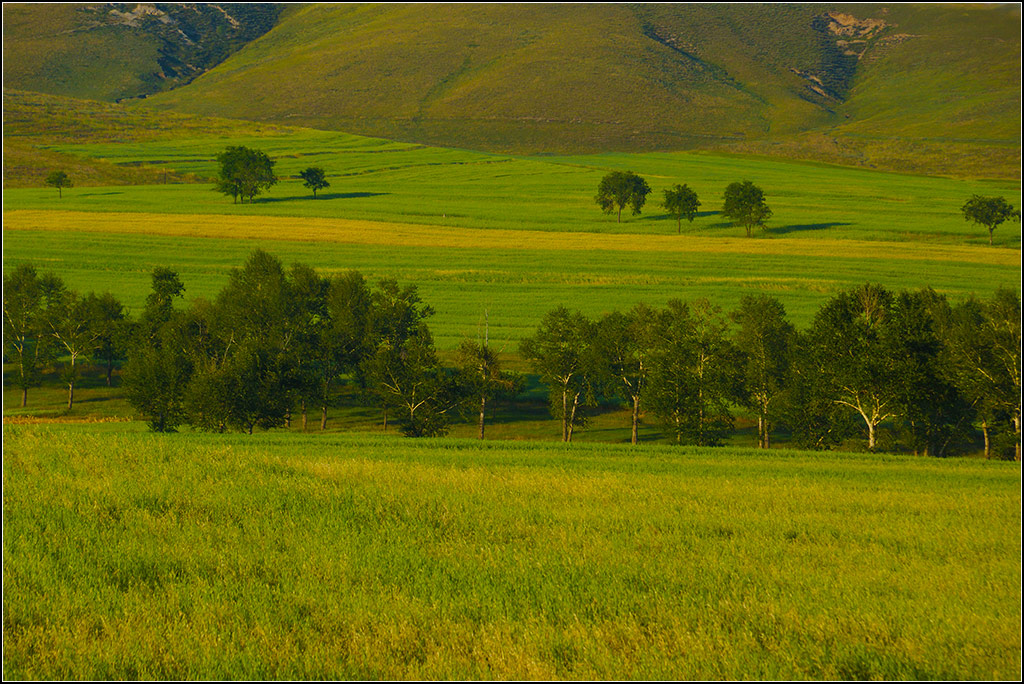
x=315 y=179
x=621 y=188
x=681 y=202
x=58 y=179
x=989 y=212
x=244 y=173
x=745 y=206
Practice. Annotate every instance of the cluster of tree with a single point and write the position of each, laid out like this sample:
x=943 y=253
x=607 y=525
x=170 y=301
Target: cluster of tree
x=909 y=360
x=743 y=202
x=45 y=321
x=244 y=173
x=276 y=342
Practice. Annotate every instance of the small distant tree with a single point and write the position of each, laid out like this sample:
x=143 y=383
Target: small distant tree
x=315 y=179
x=58 y=179
x=619 y=189
x=681 y=202
x=244 y=172
x=989 y=212
x=745 y=206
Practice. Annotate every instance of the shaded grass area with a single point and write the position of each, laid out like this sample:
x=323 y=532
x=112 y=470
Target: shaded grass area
x=133 y=555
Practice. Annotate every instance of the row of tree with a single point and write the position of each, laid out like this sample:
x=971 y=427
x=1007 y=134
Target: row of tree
x=280 y=342
x=744 y=204
x=911 y=360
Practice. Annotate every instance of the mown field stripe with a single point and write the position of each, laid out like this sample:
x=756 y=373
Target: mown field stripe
x=361 y=232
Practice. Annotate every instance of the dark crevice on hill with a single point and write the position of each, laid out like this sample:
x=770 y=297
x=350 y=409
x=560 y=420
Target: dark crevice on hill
x=191 y=37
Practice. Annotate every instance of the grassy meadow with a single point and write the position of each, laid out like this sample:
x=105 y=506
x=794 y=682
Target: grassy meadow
x=195 y=556
x=355 y=555
x=510 y=237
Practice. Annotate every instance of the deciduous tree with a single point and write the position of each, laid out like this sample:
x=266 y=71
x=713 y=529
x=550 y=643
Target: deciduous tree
x=619 y=189
x=59 y=180
x=745 y=205
x=244 y=173
x=765 y=340
x=989 y=212
x=315 y=179
x=560 y=353
x=681 y=202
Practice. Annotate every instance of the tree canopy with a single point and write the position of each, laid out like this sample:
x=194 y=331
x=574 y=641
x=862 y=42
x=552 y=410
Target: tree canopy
x=619 y=189
x=681 y=203
x=58 y=179
x=244 y=173
x=314 y=178
x=989 y=212
x=745 y=206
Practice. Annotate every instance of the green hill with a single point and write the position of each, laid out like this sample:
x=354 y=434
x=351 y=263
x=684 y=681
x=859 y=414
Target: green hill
x=927 y=89
x=110 y=51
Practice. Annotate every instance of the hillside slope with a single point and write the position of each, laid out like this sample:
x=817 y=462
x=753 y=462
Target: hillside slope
x=109 y=51
x=924 y=88
x=543 y=78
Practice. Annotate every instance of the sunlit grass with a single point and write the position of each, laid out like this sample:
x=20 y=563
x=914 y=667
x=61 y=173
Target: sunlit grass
x=132 y=555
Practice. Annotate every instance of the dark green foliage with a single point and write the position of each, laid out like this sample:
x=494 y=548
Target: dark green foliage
x=695 y=373
x=482 y=379
x=314 y=178
x=681 y=202
x=112 y=330
x=26 y=342
x=989 y=212
x=619 y=189
x=623 y=346
x=159 y=364
x=560 y=353
x=744 y=205
x=765 y=339
x=244 y=173
x=58 y=179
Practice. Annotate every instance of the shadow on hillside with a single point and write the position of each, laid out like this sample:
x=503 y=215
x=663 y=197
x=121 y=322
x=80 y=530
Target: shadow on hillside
x=319 y=197
x=782 y=230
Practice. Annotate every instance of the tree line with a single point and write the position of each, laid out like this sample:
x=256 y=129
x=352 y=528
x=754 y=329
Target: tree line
x=900 y=370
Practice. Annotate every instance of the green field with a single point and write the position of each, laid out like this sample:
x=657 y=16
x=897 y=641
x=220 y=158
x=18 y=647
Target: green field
x=512 y=237
x=134 y=555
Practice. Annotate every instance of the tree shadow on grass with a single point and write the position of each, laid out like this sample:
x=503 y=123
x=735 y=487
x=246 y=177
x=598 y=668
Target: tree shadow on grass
x=319 y=197
x=782 y=230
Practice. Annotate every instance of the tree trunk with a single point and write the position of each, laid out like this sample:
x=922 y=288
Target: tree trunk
x=635 y=437
x=323 y=417
x=304 y=415
x=871 y=436
x=110 y=370
x=24 y=397
x=385 y=419
x=990 y=237
x=760 y=431
x=288 y=418
x=988 y=445
x=565 y=416
x=71 y=394
x=483 y=409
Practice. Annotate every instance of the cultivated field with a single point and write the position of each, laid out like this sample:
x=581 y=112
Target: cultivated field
x=134 y=555
x=512 y=237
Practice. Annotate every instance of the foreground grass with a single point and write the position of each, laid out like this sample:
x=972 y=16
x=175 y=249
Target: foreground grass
x=133 y=555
